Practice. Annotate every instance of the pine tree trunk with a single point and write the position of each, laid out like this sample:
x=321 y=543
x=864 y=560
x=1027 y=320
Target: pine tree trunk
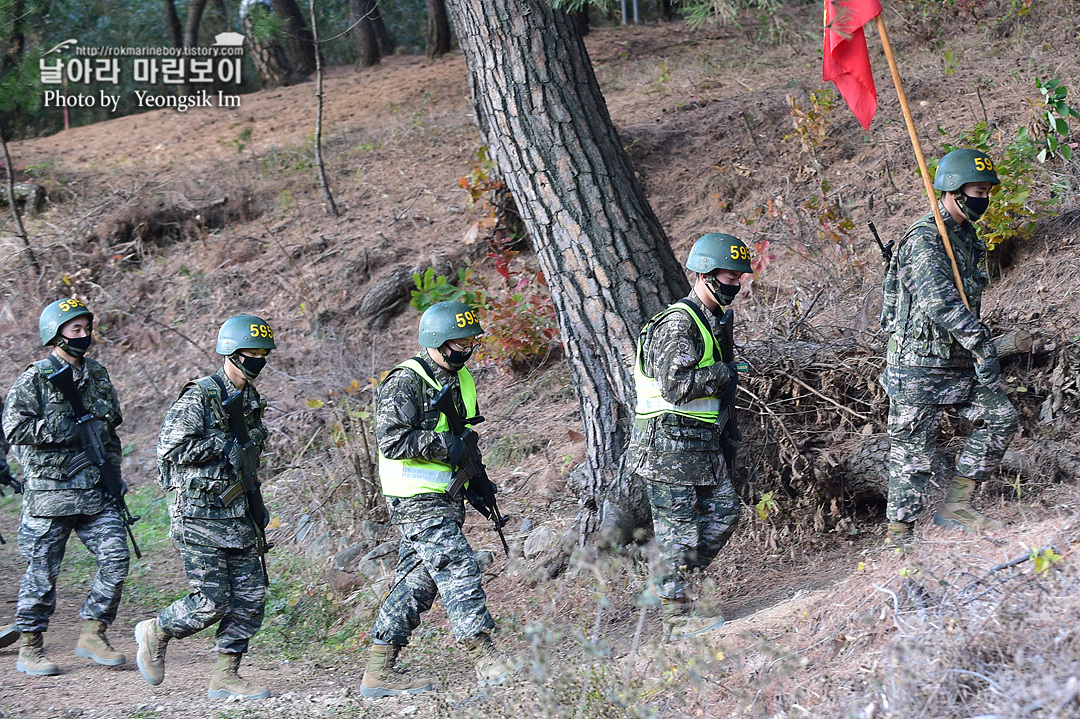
x=363 y=32
x=438 y=29
x=605 y=257
x=298 y=45
x=194 y=19
x=173 y=21
x=387 y=44
x=267 y=55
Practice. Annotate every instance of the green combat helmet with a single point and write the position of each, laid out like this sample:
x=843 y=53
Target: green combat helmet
x=718 y=251
x=445 y=321
x=960 y=167
x=244 y=332
x=58 y=314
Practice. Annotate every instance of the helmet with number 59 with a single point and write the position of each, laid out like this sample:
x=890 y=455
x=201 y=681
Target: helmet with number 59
x=244 y=332
x=445 y=321
x=960 y=167
x=718 y=251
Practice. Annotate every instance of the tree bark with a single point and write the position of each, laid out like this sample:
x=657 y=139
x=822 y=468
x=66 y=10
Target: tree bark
x=176 y=32
x=607 y=261
x=1014 y=342
x=267 y=54
x=367 y=43
x=299 y=47
x=581 y=20
x=387 y=44
x=194 y=19
x=438 y=29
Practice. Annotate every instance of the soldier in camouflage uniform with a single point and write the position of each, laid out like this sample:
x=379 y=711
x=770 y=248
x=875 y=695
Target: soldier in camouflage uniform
x=64 y=491
x=685 y=437
x=9 y=634
x=216 y=522
x=940 y=355
x=418 y=455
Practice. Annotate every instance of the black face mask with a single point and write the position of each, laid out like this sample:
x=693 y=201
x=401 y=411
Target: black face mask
x=723 y=294
x=249 y=366
x=74 y=346
x=972 y=207
x=456 y=359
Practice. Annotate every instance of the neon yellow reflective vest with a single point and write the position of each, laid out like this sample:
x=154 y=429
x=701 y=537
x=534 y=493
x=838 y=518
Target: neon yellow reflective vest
x=650 y=402
x=409 y=477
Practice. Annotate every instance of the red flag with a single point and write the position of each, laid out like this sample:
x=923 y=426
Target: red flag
x=846 y=60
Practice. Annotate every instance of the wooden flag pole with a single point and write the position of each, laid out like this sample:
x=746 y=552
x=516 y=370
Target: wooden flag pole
x=922 y=160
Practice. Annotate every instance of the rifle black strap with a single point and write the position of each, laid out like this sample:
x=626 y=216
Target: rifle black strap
x=57 y=365
x=221 y=385
x=423 y=363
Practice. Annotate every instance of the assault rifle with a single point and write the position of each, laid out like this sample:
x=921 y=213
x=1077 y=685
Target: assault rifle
x=886 y=249
x=731 y=437
x=481 y=491
x=93 y=451
x=234 y=409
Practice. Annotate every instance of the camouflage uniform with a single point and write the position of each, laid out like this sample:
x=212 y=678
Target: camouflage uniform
x=217 y=541
x=434 y=556
x=933 y=345
x=40 y=423
x=694 y=505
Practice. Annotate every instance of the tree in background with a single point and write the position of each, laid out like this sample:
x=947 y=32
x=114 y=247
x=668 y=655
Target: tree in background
x=438 y=29
x=606 y=259
x=372 y=39
x=296 y=37
x=265 y=31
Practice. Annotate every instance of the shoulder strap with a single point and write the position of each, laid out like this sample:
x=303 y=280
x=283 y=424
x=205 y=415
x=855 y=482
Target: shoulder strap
x=694 y=309
x=423 y=363
x=47 y=366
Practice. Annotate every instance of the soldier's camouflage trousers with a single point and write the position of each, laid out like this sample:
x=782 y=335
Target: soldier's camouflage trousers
x=444 y=564
x=691 y=524
x=42 y=542
x=227 y=588
x=913 y=430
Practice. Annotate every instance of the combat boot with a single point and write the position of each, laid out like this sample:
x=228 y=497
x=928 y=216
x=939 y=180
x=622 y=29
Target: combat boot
x=32 y=659
x=8 y=635
x=492 y=667
x=94 y=645
x=899 y=536
x=152 y=641
x=226 y=682
x=681 y=620
x=383 y=679
x=956 y=511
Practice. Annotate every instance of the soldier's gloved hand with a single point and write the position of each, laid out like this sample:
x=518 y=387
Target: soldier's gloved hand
x=234 y=454
x=64 y=430
x=481 y=495
x=988 y=371
x=455 y=449
x=725 y=372
x=259 y=512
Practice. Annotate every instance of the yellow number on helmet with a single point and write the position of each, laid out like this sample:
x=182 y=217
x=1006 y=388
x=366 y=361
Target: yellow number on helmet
x=254 y=330
x=734 y=252
x=64 y=307
x=460 y=317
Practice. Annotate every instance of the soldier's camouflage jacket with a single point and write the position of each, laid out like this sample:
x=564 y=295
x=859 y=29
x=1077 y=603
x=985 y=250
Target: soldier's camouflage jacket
x=405 y=429
x=934 y=339
x=4 y=447
x=41 y=424
x=193 y=471
x=670 y=448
